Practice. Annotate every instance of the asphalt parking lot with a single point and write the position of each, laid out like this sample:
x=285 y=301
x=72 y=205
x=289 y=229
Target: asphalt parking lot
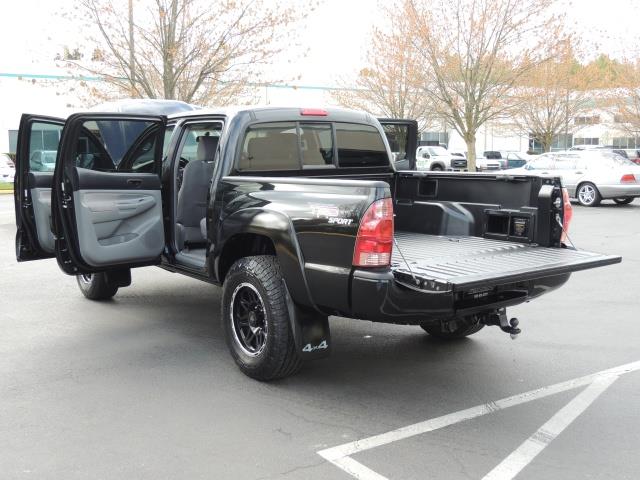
x=143 y=386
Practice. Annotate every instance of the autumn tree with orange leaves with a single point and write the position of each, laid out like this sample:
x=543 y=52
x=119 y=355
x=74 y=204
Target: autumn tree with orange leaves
x=474 y=53
x=391 y=84
x=552 y=94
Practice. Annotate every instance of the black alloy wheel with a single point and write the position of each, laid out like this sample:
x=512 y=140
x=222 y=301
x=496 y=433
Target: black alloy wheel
x=248 y=317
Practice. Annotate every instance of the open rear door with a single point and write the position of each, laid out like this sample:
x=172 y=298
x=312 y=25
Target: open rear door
x=107 y=204
x=402 y=136
x=38 y=140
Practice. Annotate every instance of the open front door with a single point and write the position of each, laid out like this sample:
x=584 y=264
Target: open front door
x=402 y=136
x=107 y=205
x=38 y=140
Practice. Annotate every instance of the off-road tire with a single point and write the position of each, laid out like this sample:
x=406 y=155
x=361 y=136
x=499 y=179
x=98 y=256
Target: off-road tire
x=436 y=331
x=96 y=286
x=278 y=357
x=624 y=200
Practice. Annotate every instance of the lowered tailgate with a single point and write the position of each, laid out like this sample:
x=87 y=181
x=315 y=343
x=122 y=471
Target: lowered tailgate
x=446 y=263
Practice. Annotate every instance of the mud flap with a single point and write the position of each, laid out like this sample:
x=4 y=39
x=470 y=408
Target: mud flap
x=310 y=331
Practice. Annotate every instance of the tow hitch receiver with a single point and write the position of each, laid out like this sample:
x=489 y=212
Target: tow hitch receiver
x=499 y=318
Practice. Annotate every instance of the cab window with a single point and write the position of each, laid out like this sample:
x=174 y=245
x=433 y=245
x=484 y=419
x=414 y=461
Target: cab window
x=43 y=146
x=398 y=138
x=192 y=136
x=270 y=146
x=116 y=145
x=360 y=146
x=316 y=144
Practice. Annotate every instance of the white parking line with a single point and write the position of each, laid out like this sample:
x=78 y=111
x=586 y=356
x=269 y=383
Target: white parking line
x=525 y=453
x=340 y=455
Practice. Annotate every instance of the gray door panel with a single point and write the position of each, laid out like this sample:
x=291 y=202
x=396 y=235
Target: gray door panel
x=107 y=200
x=119 y=226
x=41 y=199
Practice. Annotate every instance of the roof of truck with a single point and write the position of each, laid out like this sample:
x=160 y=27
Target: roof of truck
x=275 y=113
x=145 y=106
x=178 y=109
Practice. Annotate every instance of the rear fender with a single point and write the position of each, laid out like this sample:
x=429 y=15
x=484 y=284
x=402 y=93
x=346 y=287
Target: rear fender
x=279 y=229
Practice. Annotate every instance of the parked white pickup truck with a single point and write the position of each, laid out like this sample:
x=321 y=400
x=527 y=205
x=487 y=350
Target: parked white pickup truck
x=437 y=159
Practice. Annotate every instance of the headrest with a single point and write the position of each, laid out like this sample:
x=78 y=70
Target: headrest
x=207 y=148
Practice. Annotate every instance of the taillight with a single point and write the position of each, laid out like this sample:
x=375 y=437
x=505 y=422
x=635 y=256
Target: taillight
x=375 y=235
x=567 y=214
x=628 y=178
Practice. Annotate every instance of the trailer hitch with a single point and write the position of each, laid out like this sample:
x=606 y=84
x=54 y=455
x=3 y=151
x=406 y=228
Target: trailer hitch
x=500 y=319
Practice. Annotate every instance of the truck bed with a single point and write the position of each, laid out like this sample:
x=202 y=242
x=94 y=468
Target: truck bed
x=446 y=263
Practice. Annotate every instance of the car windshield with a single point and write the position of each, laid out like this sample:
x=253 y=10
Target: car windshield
x=437 y=151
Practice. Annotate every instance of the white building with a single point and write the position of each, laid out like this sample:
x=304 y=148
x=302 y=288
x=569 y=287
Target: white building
x=594 y=127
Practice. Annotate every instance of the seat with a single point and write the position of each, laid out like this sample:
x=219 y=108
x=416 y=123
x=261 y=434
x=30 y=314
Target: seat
x=192 y=197
x=276 y=151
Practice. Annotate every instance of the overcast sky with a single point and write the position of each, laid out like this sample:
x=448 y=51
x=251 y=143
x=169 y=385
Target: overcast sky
x=335 y=34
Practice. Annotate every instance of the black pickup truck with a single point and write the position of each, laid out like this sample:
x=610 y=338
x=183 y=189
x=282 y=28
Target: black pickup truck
x=298 y=214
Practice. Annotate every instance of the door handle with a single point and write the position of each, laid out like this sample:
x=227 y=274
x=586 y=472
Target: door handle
x=134 y=182
x=579 y=173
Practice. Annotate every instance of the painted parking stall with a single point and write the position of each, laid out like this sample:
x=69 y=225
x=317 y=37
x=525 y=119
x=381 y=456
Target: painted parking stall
x=596 y=384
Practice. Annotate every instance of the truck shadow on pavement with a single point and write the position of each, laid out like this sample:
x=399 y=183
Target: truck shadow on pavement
x=362 y=351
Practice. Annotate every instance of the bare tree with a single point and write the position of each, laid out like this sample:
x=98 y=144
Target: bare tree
x=474 y=52
x=391 y=85
x=189 y=50
x=551 y=95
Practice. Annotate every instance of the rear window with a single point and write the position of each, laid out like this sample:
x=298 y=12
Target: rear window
x=270 y=146
x=297 y=145
x=316 y=144
x=360 y=146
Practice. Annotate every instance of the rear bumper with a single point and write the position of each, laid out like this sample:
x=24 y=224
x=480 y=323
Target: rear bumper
x=615 y=191
x=379 y=297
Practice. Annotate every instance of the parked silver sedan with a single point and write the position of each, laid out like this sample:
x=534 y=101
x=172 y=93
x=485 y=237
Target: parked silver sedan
x=590 y=176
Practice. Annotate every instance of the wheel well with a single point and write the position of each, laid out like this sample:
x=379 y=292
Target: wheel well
x=243 y=245
x=437 y=164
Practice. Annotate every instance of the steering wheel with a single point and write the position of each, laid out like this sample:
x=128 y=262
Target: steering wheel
x=182 y=163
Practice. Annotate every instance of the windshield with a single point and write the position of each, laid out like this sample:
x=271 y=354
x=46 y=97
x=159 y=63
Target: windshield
x=437 y=151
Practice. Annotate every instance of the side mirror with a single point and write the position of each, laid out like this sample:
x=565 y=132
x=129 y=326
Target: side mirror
x=426 y=155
